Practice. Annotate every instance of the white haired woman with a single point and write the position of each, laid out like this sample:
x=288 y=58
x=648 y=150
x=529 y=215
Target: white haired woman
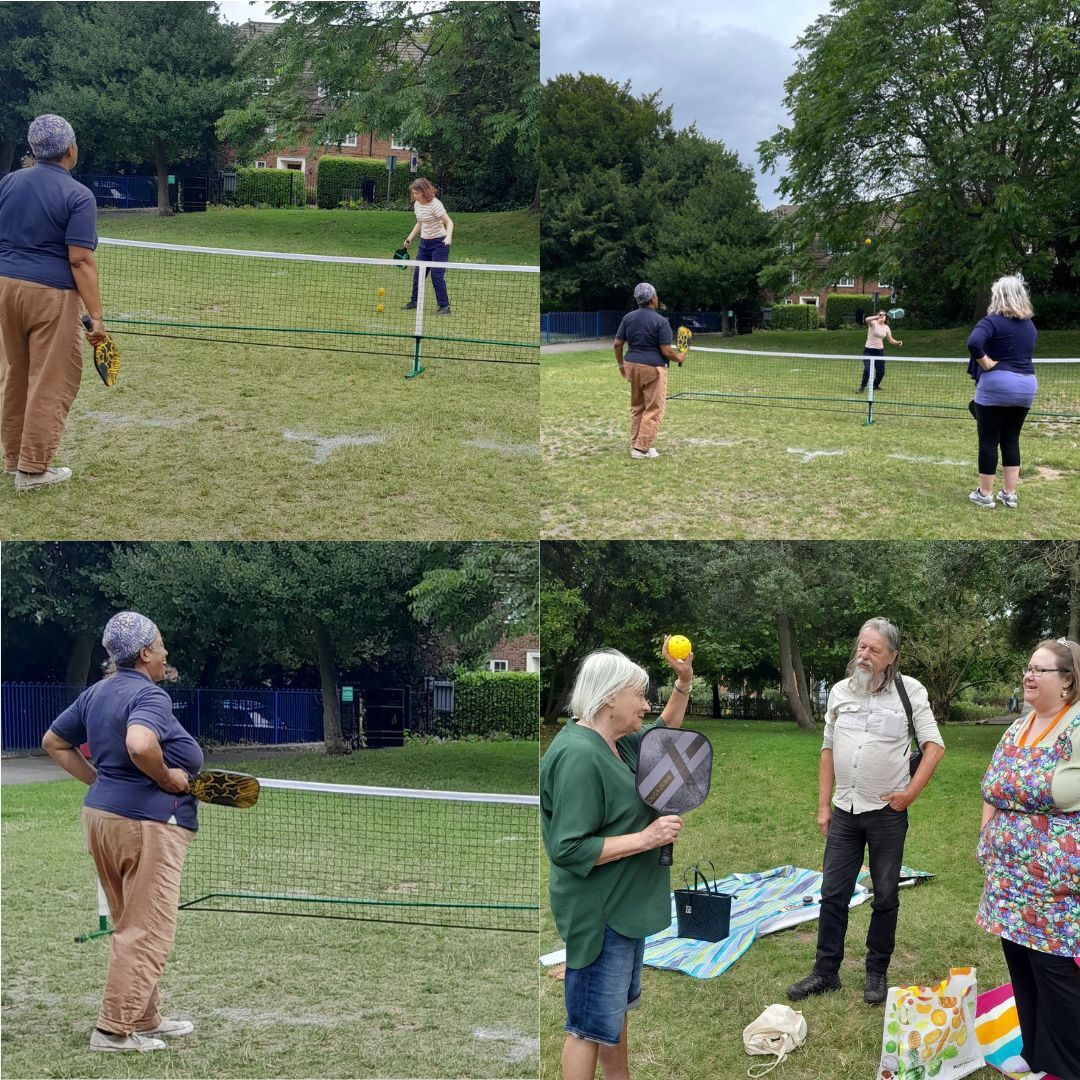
x=1029 y=849
x=607 y=888
x=1001 y=348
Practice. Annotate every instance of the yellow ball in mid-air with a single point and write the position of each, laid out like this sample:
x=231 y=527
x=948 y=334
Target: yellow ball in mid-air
x=868 y=241
x=378 y=307
x=382 y=292
x=679 y=646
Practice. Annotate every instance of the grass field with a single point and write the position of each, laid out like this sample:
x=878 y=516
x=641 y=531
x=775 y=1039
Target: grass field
x=230 y=440
x=692 y=1029
x=751 y=471
x=270 y=996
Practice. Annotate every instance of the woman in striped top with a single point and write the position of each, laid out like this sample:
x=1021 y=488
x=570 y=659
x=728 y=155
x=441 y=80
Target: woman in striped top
x=436 y=233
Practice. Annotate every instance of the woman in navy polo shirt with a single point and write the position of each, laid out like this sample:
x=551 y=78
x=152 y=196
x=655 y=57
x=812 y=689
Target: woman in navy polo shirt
x=48 y=232
x=1004 y=386
x=139 y=820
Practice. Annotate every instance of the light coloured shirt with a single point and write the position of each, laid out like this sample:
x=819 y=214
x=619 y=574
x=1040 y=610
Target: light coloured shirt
x=876 y=333
x=430 y=218
x=870 y=739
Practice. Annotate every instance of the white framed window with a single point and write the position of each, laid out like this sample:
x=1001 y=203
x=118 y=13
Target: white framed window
x=532 y=660
x=884 y=285
x=794 y=277
x=349 y=140
x=321 y=91
x=499 y=665
x=846 y=283
x=298 y=164
x=260 y=164
x=397 y=144
x=808 y=300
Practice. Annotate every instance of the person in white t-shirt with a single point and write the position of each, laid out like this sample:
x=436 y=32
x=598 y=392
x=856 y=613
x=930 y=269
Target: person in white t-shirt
x=877 y=333
x=436 y=233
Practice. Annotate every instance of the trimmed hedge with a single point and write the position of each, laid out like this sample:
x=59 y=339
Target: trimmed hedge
x=340 y=174
x=794 y=317
x=1057 y=311
x=492 y=703
x=275 y=188
x=840 y=304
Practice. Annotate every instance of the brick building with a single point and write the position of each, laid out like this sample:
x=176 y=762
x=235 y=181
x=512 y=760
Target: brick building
x=516 y=654
x=305 y=157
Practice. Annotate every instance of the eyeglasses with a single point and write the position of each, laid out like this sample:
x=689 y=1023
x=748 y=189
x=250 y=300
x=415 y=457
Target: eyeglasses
x=1039 y=672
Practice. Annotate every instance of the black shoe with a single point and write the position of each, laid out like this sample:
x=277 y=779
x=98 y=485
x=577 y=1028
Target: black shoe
x=876 y=989
x=410 y=306
x=443 y=310
x=813 y=984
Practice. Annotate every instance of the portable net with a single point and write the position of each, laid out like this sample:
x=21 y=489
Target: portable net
x=912 y=386
x=323 y=302
x=438 y=858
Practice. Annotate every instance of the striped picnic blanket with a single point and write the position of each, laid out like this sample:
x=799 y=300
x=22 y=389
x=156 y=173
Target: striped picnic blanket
x=763 y=902
x=998 y=1030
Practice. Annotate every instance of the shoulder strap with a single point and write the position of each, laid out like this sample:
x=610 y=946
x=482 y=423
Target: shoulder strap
x=904 y=700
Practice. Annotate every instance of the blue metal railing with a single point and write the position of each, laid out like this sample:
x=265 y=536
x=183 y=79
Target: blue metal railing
x=121 y=192
x=270 y=717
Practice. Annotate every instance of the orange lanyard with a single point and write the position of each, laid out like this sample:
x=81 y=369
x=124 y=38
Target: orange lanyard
x=1031 y=722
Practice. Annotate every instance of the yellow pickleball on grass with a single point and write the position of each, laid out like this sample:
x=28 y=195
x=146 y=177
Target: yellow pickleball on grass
x=378 y=307
x=381 y=292
x=679 y=646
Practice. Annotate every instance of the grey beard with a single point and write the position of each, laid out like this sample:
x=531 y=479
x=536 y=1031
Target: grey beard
x=861 y=681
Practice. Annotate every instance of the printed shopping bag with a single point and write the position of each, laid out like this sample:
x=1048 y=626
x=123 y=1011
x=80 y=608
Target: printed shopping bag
x=930 y=1030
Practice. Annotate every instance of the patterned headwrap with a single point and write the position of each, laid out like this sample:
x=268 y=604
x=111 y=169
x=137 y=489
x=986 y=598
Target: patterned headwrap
x=126 y=633
x=644 y=293
x=50 y=136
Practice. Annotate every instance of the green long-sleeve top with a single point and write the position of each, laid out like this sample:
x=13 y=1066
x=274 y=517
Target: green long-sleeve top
x=587 y=794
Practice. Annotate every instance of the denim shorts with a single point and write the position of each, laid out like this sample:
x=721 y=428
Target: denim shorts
x=598 y=996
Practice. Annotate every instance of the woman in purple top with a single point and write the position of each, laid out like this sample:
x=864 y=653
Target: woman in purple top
x=139 y=819
x=1001 y=346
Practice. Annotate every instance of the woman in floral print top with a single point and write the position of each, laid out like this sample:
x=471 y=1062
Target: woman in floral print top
x=1029 y=849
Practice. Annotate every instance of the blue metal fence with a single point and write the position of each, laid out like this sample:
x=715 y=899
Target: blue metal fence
x=558 y=326
x=121 y=192
x=212 y=716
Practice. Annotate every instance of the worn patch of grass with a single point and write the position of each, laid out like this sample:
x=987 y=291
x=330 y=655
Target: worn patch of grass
x=270 y=996
x=746 y=471
x=761 y=813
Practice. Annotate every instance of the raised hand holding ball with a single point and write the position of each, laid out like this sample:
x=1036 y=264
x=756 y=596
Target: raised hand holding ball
x=679 y=646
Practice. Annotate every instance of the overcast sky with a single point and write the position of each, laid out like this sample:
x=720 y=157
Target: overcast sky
x=720 y=64
x=239 y=11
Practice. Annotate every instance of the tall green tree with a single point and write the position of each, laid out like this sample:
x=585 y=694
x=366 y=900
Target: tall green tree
x=958 y=119
x=458 y=81
x=22 y=68
x=139 y=82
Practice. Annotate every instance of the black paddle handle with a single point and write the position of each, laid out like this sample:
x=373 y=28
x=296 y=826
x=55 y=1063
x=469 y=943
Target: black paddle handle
x=665 y=855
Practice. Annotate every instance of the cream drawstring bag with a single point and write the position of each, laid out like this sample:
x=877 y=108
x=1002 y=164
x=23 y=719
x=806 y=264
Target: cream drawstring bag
x=778 y=1030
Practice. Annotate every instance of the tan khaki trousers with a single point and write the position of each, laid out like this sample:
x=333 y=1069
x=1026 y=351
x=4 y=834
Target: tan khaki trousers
x=139 y=864
x=648 y=398
x=41 y=366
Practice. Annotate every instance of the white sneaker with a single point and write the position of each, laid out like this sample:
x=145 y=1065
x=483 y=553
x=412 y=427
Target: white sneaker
x=170 y=1028
x=30 y=481
x=99 y=1040
x=1007 y=499
x=979 y=499
x=651 y=452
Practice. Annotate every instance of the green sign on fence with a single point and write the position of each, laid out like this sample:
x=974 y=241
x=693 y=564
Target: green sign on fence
x=346 y=693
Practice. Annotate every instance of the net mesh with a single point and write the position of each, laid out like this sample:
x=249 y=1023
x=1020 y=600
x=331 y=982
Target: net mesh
x=910 y=386
x=381 y=854
x=323 y=302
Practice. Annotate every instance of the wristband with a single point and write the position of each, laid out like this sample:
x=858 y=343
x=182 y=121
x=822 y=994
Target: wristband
x=681 y=690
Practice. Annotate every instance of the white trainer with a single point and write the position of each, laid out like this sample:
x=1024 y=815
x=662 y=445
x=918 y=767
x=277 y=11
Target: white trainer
x=651 y=452
x=170 y=1028
x=99 y=1040
x=30 y=481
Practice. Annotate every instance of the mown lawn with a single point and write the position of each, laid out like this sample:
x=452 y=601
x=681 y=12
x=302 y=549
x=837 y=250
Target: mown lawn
x=750 y=471
x=271 y=996
x=761 y=813
x=225 y=439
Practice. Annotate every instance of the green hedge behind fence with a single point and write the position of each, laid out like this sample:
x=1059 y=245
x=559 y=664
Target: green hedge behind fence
x=488 y=703
x=794 y=317
x=342 y=178
x=841 y=304
x=274 y=188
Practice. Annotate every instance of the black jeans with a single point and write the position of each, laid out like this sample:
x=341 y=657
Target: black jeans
x=1046 y=989
x=879 y=367
x=883 y=832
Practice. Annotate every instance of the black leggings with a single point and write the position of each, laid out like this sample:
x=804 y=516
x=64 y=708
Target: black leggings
x=999 y=425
